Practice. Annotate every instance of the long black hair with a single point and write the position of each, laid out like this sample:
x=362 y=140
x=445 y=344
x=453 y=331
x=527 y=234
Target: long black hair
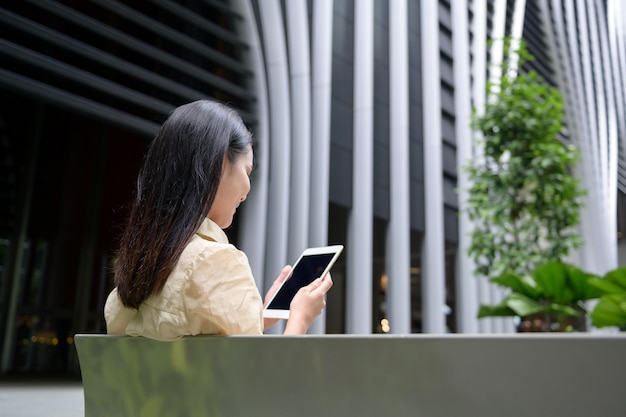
x=175 y=190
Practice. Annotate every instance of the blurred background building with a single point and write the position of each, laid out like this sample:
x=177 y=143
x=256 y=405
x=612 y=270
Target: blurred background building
x=360 y=111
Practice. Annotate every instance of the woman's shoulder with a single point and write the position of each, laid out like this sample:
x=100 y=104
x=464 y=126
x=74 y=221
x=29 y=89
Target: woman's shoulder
x=203 y=257
x=201 y=248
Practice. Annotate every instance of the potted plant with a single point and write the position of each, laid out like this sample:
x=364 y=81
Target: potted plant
x=550 y=299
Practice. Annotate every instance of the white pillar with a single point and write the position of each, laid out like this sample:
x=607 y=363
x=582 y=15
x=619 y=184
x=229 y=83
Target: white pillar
x=497 y=36
x=517 y=31
x=616 y=16
x=479 y=71
x=360 y=233
x=253 y=231
x=399 y=231
x=321 y=76
x=579 y=135
x=466 y=289
x=496 y=52
x=433 y=253
x=605 y=90
x=280 y=130
x=300 y=77
x=594 y=242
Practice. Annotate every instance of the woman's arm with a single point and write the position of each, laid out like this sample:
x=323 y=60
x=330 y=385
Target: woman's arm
x=267 y=323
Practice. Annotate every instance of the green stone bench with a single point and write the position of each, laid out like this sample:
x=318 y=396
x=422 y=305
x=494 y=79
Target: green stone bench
x=539 y=375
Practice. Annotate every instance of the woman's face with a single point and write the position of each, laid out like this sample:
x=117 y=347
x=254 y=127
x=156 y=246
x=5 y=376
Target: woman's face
x=233 y=189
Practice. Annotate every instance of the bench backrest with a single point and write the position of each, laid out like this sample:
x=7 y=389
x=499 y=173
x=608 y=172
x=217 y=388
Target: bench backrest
x=384 y=376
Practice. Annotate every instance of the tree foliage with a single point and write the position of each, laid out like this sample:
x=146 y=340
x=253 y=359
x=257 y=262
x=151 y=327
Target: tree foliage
x=523 y=200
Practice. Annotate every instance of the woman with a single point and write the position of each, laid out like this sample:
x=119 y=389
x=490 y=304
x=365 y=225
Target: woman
x=175 y=272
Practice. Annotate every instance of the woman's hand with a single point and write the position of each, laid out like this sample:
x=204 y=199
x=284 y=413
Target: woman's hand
x=307 y=304
x=267 y=323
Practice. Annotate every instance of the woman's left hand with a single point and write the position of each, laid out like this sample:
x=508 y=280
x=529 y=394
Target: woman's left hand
x=267 y=323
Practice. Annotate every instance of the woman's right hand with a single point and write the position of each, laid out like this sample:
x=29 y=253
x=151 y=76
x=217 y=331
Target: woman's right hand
x=307 y=304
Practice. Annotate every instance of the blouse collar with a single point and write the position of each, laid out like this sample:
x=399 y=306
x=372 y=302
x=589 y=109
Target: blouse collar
x=211 y=231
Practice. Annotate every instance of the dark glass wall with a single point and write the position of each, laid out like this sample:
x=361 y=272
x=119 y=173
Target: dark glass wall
x=85 y=86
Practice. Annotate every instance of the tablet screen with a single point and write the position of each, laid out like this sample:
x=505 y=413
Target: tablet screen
x=306 y=271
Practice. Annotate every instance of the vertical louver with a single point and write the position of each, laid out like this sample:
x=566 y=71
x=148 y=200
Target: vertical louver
x=126 y=63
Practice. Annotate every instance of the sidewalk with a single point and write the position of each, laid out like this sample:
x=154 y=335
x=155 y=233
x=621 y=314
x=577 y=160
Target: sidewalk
x=35 y=399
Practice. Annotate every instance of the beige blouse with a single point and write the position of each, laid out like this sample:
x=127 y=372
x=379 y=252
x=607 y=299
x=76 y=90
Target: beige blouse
x=210 y=291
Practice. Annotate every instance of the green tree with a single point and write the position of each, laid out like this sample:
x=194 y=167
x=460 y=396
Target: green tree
x=523 y=200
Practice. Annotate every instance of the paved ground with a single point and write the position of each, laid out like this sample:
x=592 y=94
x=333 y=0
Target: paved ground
x=39 y=398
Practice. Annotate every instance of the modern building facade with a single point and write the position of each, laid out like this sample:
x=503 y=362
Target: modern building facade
x=360 y=112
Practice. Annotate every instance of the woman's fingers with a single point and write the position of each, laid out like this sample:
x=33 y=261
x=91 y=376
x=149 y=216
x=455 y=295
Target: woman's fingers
x=325 y=285
x=321 y=285
x=277 y=283
x=284 y=273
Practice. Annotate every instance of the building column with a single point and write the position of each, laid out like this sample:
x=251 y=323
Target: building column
x=479 y=71
x=399 y=230
x=253 y=232
x=433 y=253
x=616 y=16
x=280 y=130
x=578 y=119
x=360 y=222
x=321 y=80
x=300 y=78
x=605 y=90
x=496 y=52
x=466 y=294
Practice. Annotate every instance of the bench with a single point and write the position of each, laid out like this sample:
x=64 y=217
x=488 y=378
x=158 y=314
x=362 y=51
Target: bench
x=537 y=375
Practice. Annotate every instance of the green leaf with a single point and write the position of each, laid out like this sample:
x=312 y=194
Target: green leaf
x=610 y=311
x=613 y=282
x=524 y=306
x=522 y=285
x=495 y=311
x=605 y=286
x=551 y=279
x=580 y=282
x=562 y=310
x=617 y=276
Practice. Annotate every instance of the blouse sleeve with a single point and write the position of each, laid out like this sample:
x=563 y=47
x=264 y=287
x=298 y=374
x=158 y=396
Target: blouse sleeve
x=116 y=315
x=221 y=296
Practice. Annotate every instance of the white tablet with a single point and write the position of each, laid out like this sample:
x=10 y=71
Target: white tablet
x=312 y=264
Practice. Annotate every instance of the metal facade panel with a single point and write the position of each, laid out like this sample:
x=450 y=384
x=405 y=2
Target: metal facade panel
x=134 y=64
